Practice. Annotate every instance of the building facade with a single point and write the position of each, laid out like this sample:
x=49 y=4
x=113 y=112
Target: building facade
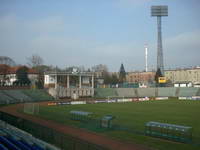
x=68 y=79
x=69 y=84
x=183 y=75
x=140 y=77
x=8 y=75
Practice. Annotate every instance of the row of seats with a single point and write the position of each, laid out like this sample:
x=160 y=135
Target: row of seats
x=128 y=92
x=147 y=92
x=18 y=96
x=105 y=92
x=38 y=95
x=12 y=138
x=188 y=91
x=4 y=99
x=170 y=91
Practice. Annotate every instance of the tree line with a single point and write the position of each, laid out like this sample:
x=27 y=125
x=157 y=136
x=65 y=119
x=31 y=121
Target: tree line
x=36 y=62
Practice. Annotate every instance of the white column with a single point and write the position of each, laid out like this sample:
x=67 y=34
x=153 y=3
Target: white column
x=67 y=81
x=80 y=81
x=56 y=81
x=56 y=86
x=92 y=81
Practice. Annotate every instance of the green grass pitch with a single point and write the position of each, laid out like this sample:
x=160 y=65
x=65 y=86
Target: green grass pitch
x=134 y=115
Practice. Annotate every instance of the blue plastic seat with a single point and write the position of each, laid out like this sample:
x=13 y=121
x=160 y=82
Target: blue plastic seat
x=2 y=147
x=8 y=144
x=18 y=143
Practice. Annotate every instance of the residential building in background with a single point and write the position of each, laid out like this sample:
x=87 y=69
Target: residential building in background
x=183 y=75
x=140 y=77
x=189 y=76
x=8 y=74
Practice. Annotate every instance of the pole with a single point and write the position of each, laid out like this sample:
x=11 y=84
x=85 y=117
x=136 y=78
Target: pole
x=159 y=47
x=146 y=63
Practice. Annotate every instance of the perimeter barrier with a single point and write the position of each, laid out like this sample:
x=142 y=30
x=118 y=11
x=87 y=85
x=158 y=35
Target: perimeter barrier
x=63 y=141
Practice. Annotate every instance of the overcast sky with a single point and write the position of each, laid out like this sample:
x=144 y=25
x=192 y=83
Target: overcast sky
x=91 y=32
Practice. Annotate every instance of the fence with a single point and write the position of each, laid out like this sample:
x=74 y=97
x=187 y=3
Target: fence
x=13 y=87
x=49 y=135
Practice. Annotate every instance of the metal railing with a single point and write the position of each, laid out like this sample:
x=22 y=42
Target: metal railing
x=63 y=141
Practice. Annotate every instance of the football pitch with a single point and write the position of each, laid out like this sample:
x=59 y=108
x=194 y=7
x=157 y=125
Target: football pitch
x=132 y=116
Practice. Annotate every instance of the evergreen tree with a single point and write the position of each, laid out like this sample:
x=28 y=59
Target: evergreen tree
x=122 y=74
x=22 y=76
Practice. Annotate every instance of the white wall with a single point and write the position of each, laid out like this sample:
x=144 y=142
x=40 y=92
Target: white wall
x=49 y=79
x=13 y=77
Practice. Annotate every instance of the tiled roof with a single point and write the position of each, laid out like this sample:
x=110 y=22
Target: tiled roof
x=4 y=68
x=13 y=70
x=32 y=71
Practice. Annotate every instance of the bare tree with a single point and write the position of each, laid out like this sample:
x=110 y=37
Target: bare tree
x=4 y=69
x=100 y=68
x=35 y=60
x=7 y=61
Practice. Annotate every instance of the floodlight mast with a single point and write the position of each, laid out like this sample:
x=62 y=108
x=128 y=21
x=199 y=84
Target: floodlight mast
x=159 y=11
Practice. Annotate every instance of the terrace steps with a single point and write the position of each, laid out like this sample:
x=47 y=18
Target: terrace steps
x=198 y=92
x=8 y=95
x=136 y=92
x=177 y=92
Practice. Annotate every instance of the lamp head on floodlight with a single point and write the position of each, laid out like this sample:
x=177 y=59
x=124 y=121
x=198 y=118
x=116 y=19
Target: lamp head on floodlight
x=159 y=11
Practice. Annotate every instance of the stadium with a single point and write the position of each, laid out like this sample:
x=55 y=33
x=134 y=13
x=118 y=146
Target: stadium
x=73 y=101
x=66 y=125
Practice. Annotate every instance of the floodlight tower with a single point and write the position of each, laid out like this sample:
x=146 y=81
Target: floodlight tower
x=159 y=11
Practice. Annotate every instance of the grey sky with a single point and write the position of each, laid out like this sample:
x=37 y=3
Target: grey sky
x=66 y=33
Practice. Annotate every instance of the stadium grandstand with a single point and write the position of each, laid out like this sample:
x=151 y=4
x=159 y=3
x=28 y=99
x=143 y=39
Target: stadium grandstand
x=105 y=92
x=198 y=92
x=170 y=91
x=188 y=91
x=147 y=92
x=20 y=96
x=37 y=95
x=128 y=92
x=12 y=138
